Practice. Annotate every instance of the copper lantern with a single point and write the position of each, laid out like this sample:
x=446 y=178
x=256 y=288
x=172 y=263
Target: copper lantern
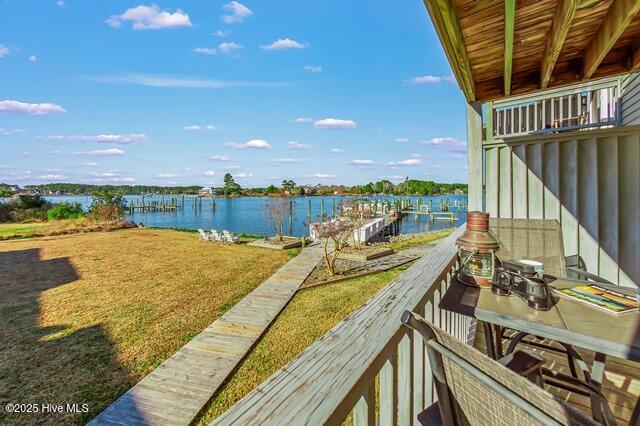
x=477 y=248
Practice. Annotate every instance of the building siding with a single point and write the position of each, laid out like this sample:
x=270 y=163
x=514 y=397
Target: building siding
x=630 y=100
x=587 y=180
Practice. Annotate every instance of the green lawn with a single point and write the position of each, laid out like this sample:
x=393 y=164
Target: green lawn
x=309 y=315
x=425 y=239
x=83 y=317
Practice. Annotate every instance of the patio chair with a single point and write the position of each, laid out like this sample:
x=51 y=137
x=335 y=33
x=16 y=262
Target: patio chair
x=204 y=235
x=473 y=389
x=216 y=236
x=230 y=238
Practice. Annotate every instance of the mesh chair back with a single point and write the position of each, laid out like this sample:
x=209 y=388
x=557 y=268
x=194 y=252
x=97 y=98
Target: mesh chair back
x=483 y=392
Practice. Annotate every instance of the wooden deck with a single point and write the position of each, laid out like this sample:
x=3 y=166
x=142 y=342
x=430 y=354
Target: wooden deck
x=621 y=385
x=176 y=391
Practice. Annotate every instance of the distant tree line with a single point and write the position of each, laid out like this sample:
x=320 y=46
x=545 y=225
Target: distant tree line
x=232 y=188
x=86 y=189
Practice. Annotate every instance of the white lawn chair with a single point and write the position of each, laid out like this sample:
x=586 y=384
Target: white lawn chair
x=216 y=237
x=229 y=237
x=204 y=235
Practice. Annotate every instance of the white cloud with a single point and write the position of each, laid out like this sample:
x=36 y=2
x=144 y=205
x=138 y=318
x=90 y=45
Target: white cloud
x=108 y=138
x=415 y=155
x=221 y=33
x=209 y=173
x=286 y=160
x=409 y=162
x=252 y=144
x=16 y=107
x=150 y=18
x=402 y=140
x=238 y=12
x=232 y=168
x=284 y=44
x=303 y=120
x=114 y=180
x=33 y=58
x=54 y=152
x=60 y=3
x=430 y=79
x=4 y=50
x=362 y=163
x=205 y=50
x=447 y=142
x=242 y=175
x=101 y=152
x=181 y=82
x=218 y=157
x=313 y=68
x=53 y=177
x=297 y=145
x=335 y=123
x=229 y=46
x=336 y=150
x=166 y=176
x=9 y=132
x=90 y=164
x=199 y=127
x=106 y=174
x=437 y=166
x=323 y=176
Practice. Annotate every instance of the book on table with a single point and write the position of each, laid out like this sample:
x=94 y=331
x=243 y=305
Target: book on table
x=607 y=299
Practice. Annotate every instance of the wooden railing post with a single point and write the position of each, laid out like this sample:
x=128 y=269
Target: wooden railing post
x=388 y=393
x=404 y=381
x=364 y=413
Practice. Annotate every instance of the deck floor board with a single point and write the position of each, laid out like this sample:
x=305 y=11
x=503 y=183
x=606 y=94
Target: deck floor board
x=621 y=385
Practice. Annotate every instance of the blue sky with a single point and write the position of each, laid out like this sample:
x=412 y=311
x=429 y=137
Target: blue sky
x=182 y=92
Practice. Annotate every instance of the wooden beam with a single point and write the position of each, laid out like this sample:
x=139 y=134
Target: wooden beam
x=618 y=18
x=635 y=61
x=445 y=20
x=474 y=155
x=509 y=26
x=565 y=12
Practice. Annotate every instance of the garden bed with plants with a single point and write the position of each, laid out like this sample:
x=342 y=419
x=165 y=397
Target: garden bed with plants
x=284 y=243
x=364 y=253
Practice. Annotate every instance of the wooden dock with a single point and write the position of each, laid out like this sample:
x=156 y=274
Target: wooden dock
x=176 y=391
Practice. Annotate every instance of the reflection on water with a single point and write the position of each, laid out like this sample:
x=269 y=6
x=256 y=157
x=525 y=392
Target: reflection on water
x=246 y=214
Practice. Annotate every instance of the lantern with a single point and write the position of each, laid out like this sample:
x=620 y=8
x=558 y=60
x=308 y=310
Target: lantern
x=477 y=250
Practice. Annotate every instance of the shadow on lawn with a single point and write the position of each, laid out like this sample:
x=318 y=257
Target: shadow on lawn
x=53 y=364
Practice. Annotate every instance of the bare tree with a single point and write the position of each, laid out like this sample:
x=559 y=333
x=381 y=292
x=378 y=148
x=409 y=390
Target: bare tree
x=276 y=210
x=336 y=231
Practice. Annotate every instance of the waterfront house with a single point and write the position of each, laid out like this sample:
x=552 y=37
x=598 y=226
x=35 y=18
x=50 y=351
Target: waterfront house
x=205 y=192
x=553 y=119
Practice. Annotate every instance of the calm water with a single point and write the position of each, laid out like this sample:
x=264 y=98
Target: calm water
x=246 y=214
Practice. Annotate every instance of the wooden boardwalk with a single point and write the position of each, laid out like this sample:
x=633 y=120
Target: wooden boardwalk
x=176 y=391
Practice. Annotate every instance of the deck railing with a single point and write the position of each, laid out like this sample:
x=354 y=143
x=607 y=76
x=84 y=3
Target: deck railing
x=369 y=365
x=594 y=104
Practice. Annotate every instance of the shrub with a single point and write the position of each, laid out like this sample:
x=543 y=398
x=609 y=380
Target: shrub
x=21 y=208
x=108 y=206
x=65 y=211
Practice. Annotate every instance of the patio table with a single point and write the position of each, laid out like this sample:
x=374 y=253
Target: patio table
x=569 y=322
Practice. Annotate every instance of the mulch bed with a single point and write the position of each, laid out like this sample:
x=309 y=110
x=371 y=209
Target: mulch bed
x=364 y=252
x=284 y=244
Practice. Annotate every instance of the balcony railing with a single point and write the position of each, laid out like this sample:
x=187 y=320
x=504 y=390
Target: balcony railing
x=369 y=365
x=577 y=107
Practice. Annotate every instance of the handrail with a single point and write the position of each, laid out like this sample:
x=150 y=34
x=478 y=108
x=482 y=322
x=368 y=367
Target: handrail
x=338 y=372
x=580 y=106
